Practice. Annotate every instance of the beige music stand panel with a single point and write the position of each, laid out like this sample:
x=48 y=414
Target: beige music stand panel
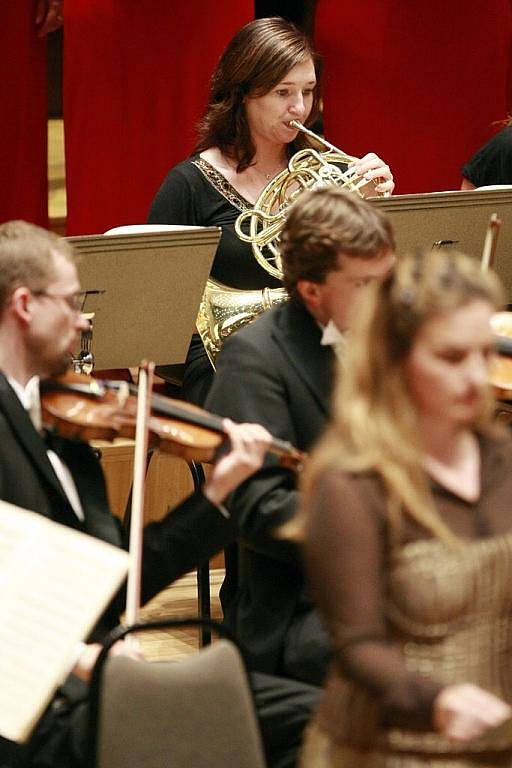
x=421 y=220
x=151 y=285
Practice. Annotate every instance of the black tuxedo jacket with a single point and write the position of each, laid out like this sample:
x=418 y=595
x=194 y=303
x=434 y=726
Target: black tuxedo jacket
x=274 y=372
x=185 y=538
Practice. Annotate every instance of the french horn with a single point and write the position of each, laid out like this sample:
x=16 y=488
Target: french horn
x=224 y=310
x=307 y=169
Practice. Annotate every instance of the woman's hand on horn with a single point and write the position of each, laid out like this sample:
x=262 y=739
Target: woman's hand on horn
x=372 y=168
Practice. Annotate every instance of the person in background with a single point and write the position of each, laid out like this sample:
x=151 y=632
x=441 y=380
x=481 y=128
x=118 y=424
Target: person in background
x=408 y=535
x=406 y=80
x=492 y=163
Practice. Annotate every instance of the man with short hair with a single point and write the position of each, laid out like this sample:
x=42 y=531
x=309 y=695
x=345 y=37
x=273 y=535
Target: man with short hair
x=278 y=371
x=40 y=321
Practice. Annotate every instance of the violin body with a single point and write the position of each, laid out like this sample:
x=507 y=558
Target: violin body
x=78 y=406
x=75 y=414
x=500 y=370
x=82 y=407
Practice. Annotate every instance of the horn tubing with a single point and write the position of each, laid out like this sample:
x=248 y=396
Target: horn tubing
x=300 y=127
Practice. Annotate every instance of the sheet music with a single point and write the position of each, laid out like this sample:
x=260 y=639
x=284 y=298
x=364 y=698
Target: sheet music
x=54 y=584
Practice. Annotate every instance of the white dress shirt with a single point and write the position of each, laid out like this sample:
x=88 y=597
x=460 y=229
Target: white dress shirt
x=332 y=337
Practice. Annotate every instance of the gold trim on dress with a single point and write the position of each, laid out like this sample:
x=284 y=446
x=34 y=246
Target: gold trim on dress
x=221 y=184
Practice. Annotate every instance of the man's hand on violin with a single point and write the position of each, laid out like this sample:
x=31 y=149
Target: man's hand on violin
x=248 y=445
x=374 y=169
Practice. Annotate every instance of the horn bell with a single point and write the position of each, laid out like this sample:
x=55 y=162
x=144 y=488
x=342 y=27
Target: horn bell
x=223 y=310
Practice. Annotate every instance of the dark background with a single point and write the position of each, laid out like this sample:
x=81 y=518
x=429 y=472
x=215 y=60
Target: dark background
x=298 y=11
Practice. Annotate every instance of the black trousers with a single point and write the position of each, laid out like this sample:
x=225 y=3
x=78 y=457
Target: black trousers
x=284 y=708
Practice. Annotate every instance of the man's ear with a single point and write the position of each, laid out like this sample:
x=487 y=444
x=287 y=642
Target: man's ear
x=20 y=304
x=309 y=292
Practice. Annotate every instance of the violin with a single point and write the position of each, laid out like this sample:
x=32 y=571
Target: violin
x=500 y=370
x=79 y=406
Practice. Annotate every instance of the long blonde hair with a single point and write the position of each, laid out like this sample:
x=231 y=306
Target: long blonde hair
x=374 y=420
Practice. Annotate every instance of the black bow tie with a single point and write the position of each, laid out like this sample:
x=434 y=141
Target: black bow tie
x=54 y=442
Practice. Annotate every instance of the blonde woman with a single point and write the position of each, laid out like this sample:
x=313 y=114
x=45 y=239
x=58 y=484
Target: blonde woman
x=409 y=532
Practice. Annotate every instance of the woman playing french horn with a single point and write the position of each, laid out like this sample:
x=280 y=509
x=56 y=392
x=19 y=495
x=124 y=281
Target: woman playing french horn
x=267 y=77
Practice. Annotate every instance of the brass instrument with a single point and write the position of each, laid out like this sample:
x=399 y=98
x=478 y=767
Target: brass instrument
x=223 y=310
x=307 y=169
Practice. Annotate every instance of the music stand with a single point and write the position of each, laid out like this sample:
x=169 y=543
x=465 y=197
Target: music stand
x=453 y=219
x=145 y=292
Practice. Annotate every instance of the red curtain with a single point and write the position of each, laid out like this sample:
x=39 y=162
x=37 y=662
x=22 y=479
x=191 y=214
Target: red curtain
x=136 y=76
x=418 y=83
x=23 y=115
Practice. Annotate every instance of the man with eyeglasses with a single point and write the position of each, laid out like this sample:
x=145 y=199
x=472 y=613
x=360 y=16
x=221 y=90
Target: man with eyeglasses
x=74 y=300
x=40 y=321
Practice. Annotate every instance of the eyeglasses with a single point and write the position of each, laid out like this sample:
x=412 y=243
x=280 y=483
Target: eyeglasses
x=75 y=301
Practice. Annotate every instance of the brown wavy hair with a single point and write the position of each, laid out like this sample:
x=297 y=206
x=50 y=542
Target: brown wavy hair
x=323 y=223
x=255 y=61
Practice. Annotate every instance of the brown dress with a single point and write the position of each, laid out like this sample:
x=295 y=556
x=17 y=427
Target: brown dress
x=408 y=617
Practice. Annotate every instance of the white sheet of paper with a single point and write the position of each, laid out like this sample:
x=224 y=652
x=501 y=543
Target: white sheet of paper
x=55 y=582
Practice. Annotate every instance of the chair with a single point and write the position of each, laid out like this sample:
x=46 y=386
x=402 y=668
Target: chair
x=195 y=713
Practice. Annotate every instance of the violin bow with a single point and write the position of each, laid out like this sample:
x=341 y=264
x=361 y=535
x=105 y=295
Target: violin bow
x=490 y=243
x=145 y=388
